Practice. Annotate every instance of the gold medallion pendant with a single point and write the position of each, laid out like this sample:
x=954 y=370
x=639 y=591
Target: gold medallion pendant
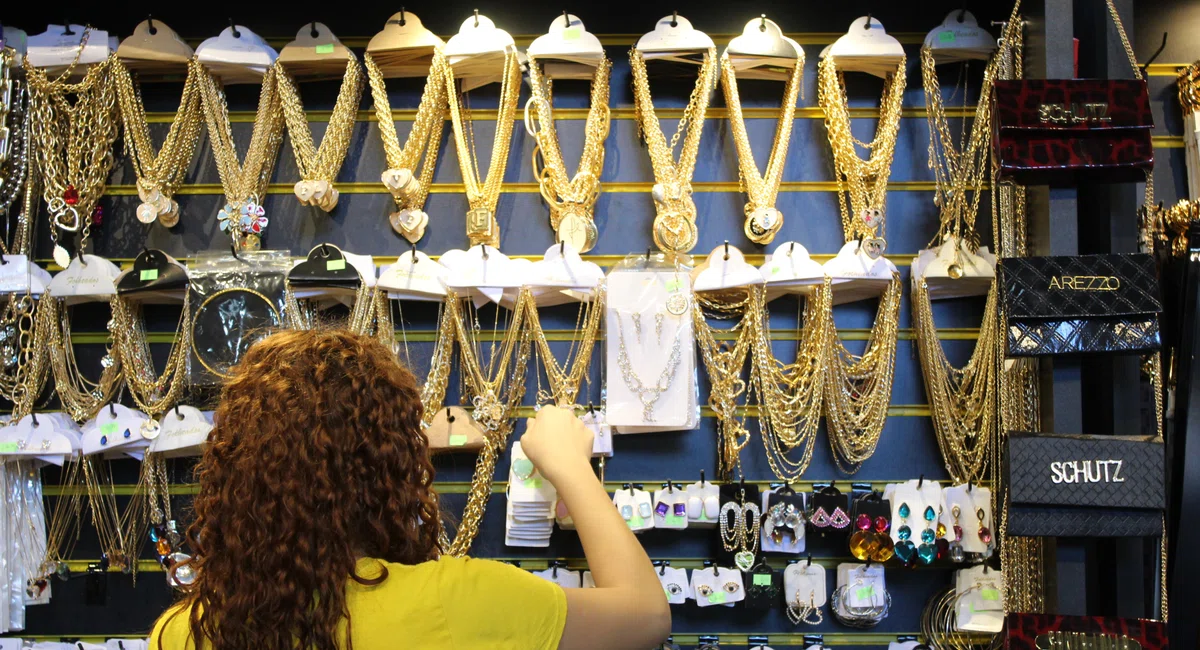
x=481 y=227
x=673 y=233
x=761 y=224
x=578 y=231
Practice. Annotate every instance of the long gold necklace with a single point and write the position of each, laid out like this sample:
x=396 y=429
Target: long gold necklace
x=153 y=393
x=493 y=408
x=963 y=400
x=159 y=174
x=566 y=378
x=863 y=181
x=483 y=196
x=572 y=200
x=307 y=315
x=408 y=188
x=244 y=184
x=81 y=398
x=675 y=212
x=790 y=395
x=724 y=364
x=73 y=144
x=763 y=220
x=18 y=334
x=15 y=119
x=319 y=166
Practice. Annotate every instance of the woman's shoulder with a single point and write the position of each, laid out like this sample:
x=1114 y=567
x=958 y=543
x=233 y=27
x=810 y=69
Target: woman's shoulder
x=173 y=630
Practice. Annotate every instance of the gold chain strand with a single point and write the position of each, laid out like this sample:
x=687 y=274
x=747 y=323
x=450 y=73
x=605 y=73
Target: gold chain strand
x=307 y=315
x=858 y=388
x=483 y=195
x=159 y=173
x=244 y=183
x=73 y=141
x=152 y=393
x=62 y=527
x=724 y=364
x=675 y=211
x=566 y=378
x=408 y=188
x=571 y=199
x=762 y=219
x=81 y=398
x=319 y=166
x=433 y=392
x=863 y=181
x=962 y=400
x=790 y=394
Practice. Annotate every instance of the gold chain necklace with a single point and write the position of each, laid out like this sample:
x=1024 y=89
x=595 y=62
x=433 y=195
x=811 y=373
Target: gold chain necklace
x=566 y=378
x=159 y=174
x=245 y=183
x=763 y=220
x=409 y=190
x=864 y=181
x=319 y=166
x=572 y=200
x=858 y=388
x=307 y=316
x=81 y=398
x=482 y=227
x=724 y=364
x=73 y=143
x=153 y=394
x=790 y=396
x=675 y=212
x=15 y=117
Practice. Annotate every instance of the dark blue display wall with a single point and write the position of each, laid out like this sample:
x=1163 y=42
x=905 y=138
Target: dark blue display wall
x=907 y=448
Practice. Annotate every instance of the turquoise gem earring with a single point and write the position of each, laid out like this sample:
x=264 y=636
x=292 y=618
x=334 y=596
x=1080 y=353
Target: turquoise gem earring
x=926 y=552
x=905 y=549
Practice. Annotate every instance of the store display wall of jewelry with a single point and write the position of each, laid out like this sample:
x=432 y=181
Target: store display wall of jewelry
x=624 y=212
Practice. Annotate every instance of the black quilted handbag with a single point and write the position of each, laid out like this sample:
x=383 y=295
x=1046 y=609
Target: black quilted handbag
x=1084 y=486
x=1082 y=303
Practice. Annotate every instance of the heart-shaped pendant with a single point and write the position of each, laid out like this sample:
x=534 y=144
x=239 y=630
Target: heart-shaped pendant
x=67 y=219
x=744 y=560
x=330 y=200
x=409 y=223
x=522 y=468
x=658 y=193
x=905 y=550
x=871 y=217
x=874 y=247
x=926 y=553
x=147 y=213
x=304 y=192
x=396 y=179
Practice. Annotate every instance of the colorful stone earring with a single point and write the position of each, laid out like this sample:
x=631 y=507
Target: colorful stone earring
x=904 y=549
x=926 y=552
x=985 y=535
x=943 y=546
x=956 y=550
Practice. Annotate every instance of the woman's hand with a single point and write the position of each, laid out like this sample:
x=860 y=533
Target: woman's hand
x=558 y=443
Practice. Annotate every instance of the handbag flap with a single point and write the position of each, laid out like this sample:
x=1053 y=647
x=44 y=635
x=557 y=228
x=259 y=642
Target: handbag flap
x=1080 y=470
x=1058 y=632
x=1072 y=104
x=1079 y=286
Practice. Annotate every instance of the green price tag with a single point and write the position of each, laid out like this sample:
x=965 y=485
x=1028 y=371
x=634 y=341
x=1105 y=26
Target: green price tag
x=864 y=593
x=109 y=428
x=324 y=49
x=572 y=34
x=668 y=593
x=335 y=265
x=946 y=36
x=673 y=521
x=8 y=447
x=149 y=274
x=775 y=269
x=717 y=597
x=533 y=483
x=458 y=439
x=674 y=284
x=762 y=579
x=636 y=521
x=989 y=594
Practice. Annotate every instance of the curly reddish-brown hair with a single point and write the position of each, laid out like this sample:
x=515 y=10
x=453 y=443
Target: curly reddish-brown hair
x=317 y=459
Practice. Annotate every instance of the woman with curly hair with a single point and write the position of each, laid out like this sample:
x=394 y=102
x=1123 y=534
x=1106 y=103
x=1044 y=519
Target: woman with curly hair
x=317 y=524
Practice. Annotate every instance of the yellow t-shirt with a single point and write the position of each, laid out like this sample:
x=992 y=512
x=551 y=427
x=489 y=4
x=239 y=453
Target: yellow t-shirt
x=451 y=603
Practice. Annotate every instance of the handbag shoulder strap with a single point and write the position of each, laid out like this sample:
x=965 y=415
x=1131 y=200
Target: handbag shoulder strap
x=1112 y=11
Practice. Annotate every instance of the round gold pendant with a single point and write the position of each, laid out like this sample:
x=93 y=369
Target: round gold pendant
x=678 y=303
x=248 y=242
x=674 y=233
x=578 y=231
x=762 y=224
x=147 y=212
x=171 y=217
x=954 y=271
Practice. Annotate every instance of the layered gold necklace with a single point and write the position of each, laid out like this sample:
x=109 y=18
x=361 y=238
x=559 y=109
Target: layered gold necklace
x=319 y=166
x=307 y=314
x=484 y=195
x=790 y=395
x=566 y=378
x=159 y=173
x=763 y=220
x=963 y=400
x=572 y=200
x=81 y=397
x=408 y=187
x=73 y=143
x=858 y=388
x=244 y=184
x=724 y=363
x=675 y=212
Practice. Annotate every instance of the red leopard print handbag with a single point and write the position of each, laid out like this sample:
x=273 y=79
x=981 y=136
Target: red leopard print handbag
x=1050 y=632
x=1063 y=131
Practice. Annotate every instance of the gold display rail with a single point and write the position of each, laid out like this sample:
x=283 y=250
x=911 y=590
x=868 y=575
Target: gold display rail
x=532 y=188
x=616 y=113
x=1167 y=141
x=429 y=336
x=1165 y=69
x=523 y=40
x=498 y=487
